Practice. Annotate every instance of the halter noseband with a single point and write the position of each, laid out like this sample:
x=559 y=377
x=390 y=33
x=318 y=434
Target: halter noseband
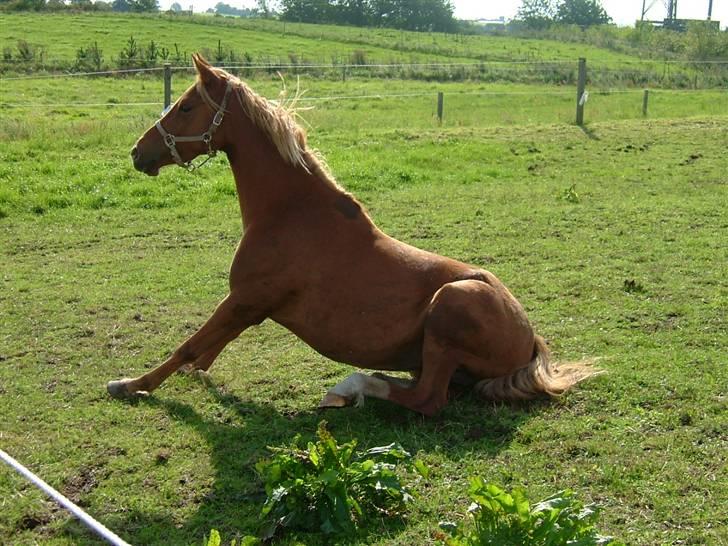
x=206 y=137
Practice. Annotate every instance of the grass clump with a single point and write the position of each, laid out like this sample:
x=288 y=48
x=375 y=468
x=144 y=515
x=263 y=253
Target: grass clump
x=508 y=519
x=331 y=488
x=216 y=540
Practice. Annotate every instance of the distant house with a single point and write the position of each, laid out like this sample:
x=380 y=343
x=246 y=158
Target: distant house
x=487 y=22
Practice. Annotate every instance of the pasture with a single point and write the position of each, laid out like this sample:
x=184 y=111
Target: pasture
x=273 y=39
x=613 y=238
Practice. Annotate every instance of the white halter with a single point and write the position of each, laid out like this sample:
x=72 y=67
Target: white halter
x=206 y=137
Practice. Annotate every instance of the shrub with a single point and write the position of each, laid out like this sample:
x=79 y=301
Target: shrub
x=89 y=58
x=507 y=519
x=215 y=540
x=331 y=488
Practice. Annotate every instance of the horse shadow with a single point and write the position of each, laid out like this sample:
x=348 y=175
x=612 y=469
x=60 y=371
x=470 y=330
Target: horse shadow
x=241 y=432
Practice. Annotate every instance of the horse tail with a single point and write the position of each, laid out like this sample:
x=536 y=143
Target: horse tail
x=542 y=376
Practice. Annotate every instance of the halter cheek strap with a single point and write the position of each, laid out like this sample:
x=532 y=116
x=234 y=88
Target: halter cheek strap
x=171 y=140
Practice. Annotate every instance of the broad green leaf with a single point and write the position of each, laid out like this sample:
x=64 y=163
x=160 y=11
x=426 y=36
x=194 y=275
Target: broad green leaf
x=521 y=504
x=422 y=468
x=329 y=476
x=313 y=454
x=214 y=539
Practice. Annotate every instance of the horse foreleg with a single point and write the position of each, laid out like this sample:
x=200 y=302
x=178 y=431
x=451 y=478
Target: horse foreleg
x=205 y=360
x=230 y=318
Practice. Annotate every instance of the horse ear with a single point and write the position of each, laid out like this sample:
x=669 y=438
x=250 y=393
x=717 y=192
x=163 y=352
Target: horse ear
x=204 y=69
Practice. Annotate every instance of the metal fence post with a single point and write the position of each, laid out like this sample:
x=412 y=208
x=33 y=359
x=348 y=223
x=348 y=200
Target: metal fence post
x=440 y=100
x=580 y=88
x=167 y=85
x=644 y=102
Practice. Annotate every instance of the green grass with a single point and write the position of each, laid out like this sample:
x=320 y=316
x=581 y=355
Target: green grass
x=275 y=39
x=113 y=31
x=60 y=153
x=611 y=236
x=105 y=271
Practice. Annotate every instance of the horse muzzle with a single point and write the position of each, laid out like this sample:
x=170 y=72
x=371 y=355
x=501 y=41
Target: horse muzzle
x=141 y=164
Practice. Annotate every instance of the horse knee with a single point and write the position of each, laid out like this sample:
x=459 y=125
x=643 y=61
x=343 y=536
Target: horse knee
x=185 y=353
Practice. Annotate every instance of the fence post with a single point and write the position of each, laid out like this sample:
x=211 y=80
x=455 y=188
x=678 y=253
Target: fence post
x=644 y=102
x=580 y=88
x=167 y=85
x=440 y=100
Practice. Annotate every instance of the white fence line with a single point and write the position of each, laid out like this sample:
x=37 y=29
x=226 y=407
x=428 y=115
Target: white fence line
x=374 y=96
x=88 y=521
x=351 y=66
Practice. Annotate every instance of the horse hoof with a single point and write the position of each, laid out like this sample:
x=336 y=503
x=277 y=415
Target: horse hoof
x=332 y=400
x=203 y=377
x=119 y=389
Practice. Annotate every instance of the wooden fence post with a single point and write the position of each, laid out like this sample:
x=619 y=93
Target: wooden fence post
x=440 y=100
x=580 y=88
x=167 y=85
x=644 y=102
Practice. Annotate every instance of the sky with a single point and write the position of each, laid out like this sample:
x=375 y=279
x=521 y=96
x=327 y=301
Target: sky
x=623 y=12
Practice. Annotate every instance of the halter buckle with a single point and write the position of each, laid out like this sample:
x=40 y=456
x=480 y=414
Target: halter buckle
x=217 y=120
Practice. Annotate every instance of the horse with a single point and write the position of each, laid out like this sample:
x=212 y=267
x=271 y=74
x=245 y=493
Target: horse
x=312 y=260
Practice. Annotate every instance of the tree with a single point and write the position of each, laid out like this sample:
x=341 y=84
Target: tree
x=144 y=5
x=121 y=5
x=582 y=12
x=175 y=7
x=264 y=8
x=536 y=14
x=405 y=14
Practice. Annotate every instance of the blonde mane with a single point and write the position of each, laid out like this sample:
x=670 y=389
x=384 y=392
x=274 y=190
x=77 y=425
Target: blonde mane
x=277 y=120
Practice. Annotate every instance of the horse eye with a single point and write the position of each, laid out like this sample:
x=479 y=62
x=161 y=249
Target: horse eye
x=185 y=107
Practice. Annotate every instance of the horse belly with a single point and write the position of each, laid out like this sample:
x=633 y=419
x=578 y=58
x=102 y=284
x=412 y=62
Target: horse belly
x=382 y=333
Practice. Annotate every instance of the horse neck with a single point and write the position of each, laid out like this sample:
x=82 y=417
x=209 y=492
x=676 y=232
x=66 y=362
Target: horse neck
x=266 y=183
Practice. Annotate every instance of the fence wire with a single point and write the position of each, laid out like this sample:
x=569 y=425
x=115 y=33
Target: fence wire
x=370 y=66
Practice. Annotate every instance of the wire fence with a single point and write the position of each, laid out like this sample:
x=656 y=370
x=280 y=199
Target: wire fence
x=665 y=74
x=561 y=91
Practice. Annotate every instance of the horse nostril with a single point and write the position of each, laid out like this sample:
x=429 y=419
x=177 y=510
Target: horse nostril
x=134 y=153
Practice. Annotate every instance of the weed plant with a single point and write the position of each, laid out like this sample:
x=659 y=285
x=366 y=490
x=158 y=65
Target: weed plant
x=332 y=488
x=501 y=518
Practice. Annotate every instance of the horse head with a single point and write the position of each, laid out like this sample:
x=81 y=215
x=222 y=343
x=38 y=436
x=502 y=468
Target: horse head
x=188 y=128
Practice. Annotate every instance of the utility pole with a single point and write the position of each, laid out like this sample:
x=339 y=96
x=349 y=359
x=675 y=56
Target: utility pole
x=646 y=8
x=672 y=10
x=710 y=9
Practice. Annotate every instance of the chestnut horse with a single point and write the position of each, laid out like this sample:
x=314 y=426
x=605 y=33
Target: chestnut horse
x=312 y=260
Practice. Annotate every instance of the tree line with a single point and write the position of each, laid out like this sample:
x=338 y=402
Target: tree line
x=136 y=6
x=426 y=15
x=540 y=14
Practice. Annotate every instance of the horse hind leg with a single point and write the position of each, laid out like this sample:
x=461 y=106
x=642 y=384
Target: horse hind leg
x=470 y=324
x=352 y=390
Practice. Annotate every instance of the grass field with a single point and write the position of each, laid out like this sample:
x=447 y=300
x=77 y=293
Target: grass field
x=41 y=118
x=633 y=271
x=260 y=38
x=50 y=42
x=612 y=236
